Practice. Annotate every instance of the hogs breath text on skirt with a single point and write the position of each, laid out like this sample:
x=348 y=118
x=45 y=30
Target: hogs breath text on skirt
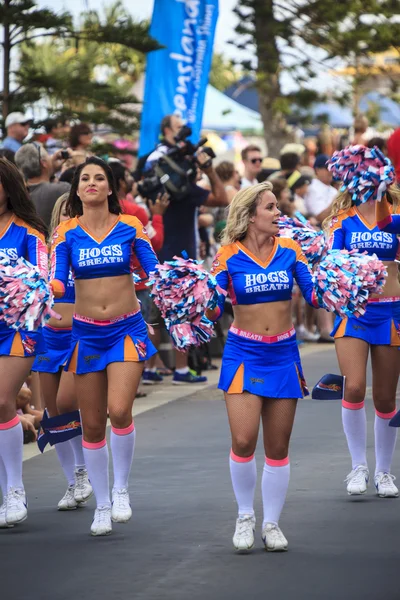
x=97 y=344
x=261 y=365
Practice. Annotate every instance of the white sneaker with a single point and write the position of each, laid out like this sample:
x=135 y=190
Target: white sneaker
x=16 y=506
x=83 y=488
x=306 y=335
x=68 y=501
x=385 y=487
x=121 y=510
x=357 y=481
x=273 y=538
x=3 y=522
x=243 y=538
x=102 y=521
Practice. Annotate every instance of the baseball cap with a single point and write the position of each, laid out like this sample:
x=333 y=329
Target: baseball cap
x=16 y=117
x=320 y=161
x=329 y=387
x=294 y=148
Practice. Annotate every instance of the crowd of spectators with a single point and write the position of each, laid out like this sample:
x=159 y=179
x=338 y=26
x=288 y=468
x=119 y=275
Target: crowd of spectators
x=301 y=184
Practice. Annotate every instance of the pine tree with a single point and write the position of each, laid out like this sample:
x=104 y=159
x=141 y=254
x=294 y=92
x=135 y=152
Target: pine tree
x=304 y=38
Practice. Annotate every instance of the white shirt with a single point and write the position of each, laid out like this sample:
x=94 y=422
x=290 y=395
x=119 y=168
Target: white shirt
x=318 y=197
x=247 y=183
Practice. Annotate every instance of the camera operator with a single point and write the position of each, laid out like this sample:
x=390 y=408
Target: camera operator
x=180 y=219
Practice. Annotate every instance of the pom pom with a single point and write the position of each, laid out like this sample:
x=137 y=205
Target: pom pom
x=365 y=172
x=312 y=242
x=345 y=280
x=182 y=289
x=25 y=296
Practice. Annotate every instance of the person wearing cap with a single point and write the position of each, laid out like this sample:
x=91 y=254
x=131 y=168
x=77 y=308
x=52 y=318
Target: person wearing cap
x=321 y=193
x=17 y=126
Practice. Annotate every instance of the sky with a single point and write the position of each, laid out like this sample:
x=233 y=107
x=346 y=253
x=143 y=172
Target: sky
x=143 y=9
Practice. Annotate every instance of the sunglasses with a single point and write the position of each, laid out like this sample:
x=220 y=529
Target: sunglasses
x=255 y=160
x=37 y=146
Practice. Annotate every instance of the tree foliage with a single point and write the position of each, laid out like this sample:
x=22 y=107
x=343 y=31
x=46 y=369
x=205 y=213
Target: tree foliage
x=305 y=39
x=84 y=73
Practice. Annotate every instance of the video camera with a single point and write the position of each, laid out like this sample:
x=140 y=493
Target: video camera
x=175 y=170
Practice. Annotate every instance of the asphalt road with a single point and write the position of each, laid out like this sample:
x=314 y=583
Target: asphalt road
x=178 y=544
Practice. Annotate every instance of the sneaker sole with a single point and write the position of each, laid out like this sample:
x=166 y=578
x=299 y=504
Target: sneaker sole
x=66 y=509
x=387 y=495
x=357 y=493
x=114 y=520
x=84 y=500
x=17 y=522
x=150 y=382
x=275 y=549
x=101 y=534
x=243 y=550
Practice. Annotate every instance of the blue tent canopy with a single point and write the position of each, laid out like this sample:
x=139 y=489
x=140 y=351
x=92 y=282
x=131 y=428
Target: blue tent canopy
x=389 y=110
x=221 y=113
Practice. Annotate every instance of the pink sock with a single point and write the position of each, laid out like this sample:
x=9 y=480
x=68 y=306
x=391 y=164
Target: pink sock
x=11 y=445
x=355 y=428
x=96 y=460
x=274 y=485
x=67 y=460
x=244 y=479
x=76 y=443
x=122 y=442
x=385 y=441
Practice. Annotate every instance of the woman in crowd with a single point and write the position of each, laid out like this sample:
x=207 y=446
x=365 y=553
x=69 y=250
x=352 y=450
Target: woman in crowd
x=261 y=372
x=22 y=234
x=109 y=336
x=376 y=332
x=58 y=387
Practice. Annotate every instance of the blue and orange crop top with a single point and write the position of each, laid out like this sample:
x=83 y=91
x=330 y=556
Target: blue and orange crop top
x=74 y=247
x=349 y=230
x=386 y=218
x=247 y=280
x=18 y=239
x=69 y=296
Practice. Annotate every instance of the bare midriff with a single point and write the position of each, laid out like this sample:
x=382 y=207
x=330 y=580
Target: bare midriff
x=392 y=285
x=269 y=318
x=105 y=298
x=65 y=311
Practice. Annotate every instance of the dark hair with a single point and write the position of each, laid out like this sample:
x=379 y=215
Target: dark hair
x=49 y=124
x=302 y=180
x=8 y=154
x=225 y=170
x=166 y=122
x=377 y=141
x=251 y=148
x=74 y=204
x=289 y=161
x=67 y=175
x=18 y=199
x=279 y=184
x=76 y=132
x=118 y=171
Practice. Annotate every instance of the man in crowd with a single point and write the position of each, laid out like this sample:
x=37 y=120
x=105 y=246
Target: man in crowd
x=252 y=161
x=38 y=168
x=321 y=193
x=180 y=223
x=17 y=126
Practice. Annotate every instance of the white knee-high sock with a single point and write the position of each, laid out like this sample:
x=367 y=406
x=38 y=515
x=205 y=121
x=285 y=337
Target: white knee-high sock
x=11 y=445
x=274 y=485
x=244 y=479
x=385 y=441
x=122 y=442
x=354 y=421
x=3 y=479
x=67 y=460
x=96 y=460
x=76 y=443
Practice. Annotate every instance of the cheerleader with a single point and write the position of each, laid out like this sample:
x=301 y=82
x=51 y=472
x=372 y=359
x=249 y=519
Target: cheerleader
x=22 y=234
x=261 y=372
x=109 y=336
x=58 y=387
x=352 y=225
